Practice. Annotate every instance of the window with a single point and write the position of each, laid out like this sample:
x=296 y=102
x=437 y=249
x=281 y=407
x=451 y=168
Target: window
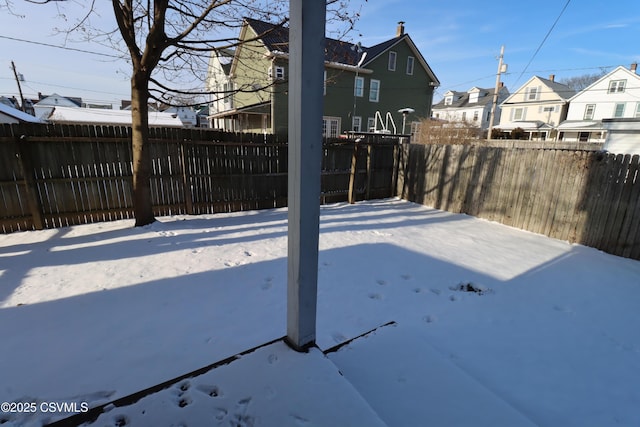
x=356 y=124
x=617 y=86
x=276 y=72
x=358 y=88
x=533 y=93
x=330 y=127
x=589 y=109
x=448 y=100
x=374 y=90
x=371 y=123
x=619 y=110
x=392 y=60
x=464 y=116
x=473 y=97
x=518 y=114
x=410 y=64
x=548 y=109
x=475 y=116
x=228 y=96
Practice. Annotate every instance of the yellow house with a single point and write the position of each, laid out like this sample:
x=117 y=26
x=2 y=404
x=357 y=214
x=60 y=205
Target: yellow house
x=537 y=107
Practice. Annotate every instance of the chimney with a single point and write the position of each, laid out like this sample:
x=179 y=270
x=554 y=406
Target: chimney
x=400 y=29
x=552 y=77
x=634 y=67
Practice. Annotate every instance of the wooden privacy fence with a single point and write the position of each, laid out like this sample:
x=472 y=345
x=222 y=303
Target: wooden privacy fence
x=52 y=176
x=586 y=197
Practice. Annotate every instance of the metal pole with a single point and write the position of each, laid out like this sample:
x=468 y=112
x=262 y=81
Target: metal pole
x=306 y=68
x=494 y=105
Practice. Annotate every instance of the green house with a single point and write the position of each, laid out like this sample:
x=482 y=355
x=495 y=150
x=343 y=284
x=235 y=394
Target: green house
x=382 y=88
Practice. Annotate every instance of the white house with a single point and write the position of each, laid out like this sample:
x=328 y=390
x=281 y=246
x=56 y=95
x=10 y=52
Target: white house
x=187 y=115
x=46 y=104
x=220 y=85
x=614 y=96
x=537 y=107
x=472 y=107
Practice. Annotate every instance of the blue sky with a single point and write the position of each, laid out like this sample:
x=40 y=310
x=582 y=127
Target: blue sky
x=459 y=39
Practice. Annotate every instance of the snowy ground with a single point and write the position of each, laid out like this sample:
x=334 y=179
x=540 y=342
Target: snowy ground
x=491 y=325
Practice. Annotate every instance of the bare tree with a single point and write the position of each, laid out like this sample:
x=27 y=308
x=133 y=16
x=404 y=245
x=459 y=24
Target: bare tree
x=580 y=82
x=167 y=44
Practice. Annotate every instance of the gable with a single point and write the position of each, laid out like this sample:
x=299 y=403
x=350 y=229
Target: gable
x=604 y=85
x=275 y=39
x=538 y=89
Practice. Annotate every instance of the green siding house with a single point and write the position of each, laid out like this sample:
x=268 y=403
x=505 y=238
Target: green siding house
x=364 y=88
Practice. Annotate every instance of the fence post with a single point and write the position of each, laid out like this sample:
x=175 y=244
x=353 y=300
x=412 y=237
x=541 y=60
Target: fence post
x=354 y=171
x=367 y=194
x=26 y=167
x=186 y=181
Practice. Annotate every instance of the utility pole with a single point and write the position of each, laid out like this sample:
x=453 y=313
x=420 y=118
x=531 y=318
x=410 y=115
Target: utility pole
x=494 y=106
x=15 y=73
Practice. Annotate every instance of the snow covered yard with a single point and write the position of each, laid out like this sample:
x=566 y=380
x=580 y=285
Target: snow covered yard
x=491 y=325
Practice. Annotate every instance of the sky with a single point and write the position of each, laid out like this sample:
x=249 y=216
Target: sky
x=474 y=323
x=460 y=40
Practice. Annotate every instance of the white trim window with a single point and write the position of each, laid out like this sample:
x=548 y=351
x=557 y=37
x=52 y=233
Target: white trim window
x=356 y=124
x=518 y=114
x=589 y=111
x=532 y=93
x=448 y=100
x=617 y=86
x=410 y=64
x=393 y=57
x=618 y=110
x=371 y=123
x=330 y=127
x=276 y=73
x=374 y=90
x=358 y=87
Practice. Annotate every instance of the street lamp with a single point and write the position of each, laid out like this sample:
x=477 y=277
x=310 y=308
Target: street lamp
x=405 y=112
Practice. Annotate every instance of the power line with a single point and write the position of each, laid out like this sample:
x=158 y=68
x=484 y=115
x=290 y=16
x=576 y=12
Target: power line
x=543 y=40
x=60 y=47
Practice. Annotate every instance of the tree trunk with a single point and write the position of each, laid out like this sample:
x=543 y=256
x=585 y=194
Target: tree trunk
x=142 y=206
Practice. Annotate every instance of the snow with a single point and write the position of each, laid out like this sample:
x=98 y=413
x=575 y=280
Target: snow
x=424 y=318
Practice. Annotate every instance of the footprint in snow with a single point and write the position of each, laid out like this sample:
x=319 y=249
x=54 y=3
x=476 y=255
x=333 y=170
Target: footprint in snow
x=120 y=421
x=209 y=390
x=375 y=296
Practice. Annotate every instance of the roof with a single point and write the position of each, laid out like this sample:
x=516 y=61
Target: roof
x=526 y=125
x=17 y=114
x=461 y=99
x=276 y=40
x=618 y=69
x=108 y=117
x=579 y=125
x=562 y=90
